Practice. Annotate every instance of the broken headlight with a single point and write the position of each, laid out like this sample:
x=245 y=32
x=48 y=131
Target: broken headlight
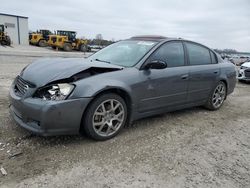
x=55 y=92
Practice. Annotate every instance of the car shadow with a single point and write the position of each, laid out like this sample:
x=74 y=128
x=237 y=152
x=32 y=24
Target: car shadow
x=243 y=82
x=81 y=138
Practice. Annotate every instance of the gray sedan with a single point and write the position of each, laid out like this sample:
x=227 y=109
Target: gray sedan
x=126 y=81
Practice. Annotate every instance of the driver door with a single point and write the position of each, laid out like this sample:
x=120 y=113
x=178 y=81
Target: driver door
x=164 y=88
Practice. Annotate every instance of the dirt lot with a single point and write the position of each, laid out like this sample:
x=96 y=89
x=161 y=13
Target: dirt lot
x=188 y=148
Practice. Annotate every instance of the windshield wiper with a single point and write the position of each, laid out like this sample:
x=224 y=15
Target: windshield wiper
x=102 y=61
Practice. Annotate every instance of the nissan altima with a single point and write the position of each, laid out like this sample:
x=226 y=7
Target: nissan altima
x=128 y=80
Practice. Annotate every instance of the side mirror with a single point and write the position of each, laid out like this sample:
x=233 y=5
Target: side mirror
x=156 y=64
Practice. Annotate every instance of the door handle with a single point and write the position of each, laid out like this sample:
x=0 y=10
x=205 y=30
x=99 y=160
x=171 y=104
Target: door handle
x=184 y=77
x=215 y=72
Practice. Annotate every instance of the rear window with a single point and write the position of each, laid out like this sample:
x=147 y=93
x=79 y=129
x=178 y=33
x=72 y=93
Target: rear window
x=198 y=55
x=213 y=57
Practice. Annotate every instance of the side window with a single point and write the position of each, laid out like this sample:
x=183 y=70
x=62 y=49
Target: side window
x=198 y=55
x=172 y=53
x=213 y=57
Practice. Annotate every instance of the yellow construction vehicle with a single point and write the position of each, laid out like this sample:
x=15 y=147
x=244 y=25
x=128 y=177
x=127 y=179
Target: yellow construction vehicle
x=40 y=38
x=4 y=38
x=67 y=41
x=50 y=41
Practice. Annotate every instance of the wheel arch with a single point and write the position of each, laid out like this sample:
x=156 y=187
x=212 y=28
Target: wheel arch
x=41 y=39
x=225 y=82
x=119 y=91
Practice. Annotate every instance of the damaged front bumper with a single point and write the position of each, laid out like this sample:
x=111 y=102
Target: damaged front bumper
x=48 y=118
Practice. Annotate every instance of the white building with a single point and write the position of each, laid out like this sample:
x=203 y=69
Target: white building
x=16 y=27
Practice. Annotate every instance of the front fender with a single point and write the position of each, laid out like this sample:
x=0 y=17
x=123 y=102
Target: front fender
x=90 y=88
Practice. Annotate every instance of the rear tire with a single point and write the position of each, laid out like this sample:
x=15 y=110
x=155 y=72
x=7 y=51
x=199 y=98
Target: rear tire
x=67 y=47
x=8 y=41
x=5 y=41
x=217 y=96
x=105 y=117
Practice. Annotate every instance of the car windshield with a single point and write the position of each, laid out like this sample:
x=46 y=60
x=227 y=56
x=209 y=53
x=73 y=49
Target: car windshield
x=123 y=53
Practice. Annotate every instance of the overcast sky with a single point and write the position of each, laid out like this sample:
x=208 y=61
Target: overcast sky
x=216 y=23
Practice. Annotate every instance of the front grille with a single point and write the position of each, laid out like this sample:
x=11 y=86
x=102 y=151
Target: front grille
x=22 y=86
x=247 y=73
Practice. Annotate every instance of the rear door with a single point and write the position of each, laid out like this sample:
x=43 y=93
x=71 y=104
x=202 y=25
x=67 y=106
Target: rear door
x=203 y=71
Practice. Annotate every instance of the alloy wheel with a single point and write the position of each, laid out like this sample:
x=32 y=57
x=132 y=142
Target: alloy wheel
x=219 y=95
x=108 y=117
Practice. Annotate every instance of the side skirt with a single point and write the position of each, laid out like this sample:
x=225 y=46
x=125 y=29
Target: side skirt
x=138 y=115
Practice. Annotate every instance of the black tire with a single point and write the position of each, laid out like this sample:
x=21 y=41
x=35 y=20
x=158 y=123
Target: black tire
x=53 y=47
x=83 y=48
x=211 y=101
x=67 y=47
x=42 y=43
x=88 y=119
x=3 y=42
x=8 y=41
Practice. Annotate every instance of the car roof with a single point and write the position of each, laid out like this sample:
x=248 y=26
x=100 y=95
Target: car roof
x=157 y=38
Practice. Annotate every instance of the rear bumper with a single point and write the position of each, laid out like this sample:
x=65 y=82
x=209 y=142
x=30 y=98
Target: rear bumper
x=48 y=118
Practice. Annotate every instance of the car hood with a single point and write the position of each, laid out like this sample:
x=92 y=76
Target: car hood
x=44 y=71
x=247 y=64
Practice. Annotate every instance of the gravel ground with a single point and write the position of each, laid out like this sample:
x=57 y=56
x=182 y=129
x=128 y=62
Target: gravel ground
x=187 y=148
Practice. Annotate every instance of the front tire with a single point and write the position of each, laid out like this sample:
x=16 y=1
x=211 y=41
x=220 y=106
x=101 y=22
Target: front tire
x=217 y=97
x=67 y=47
x=105 y=117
